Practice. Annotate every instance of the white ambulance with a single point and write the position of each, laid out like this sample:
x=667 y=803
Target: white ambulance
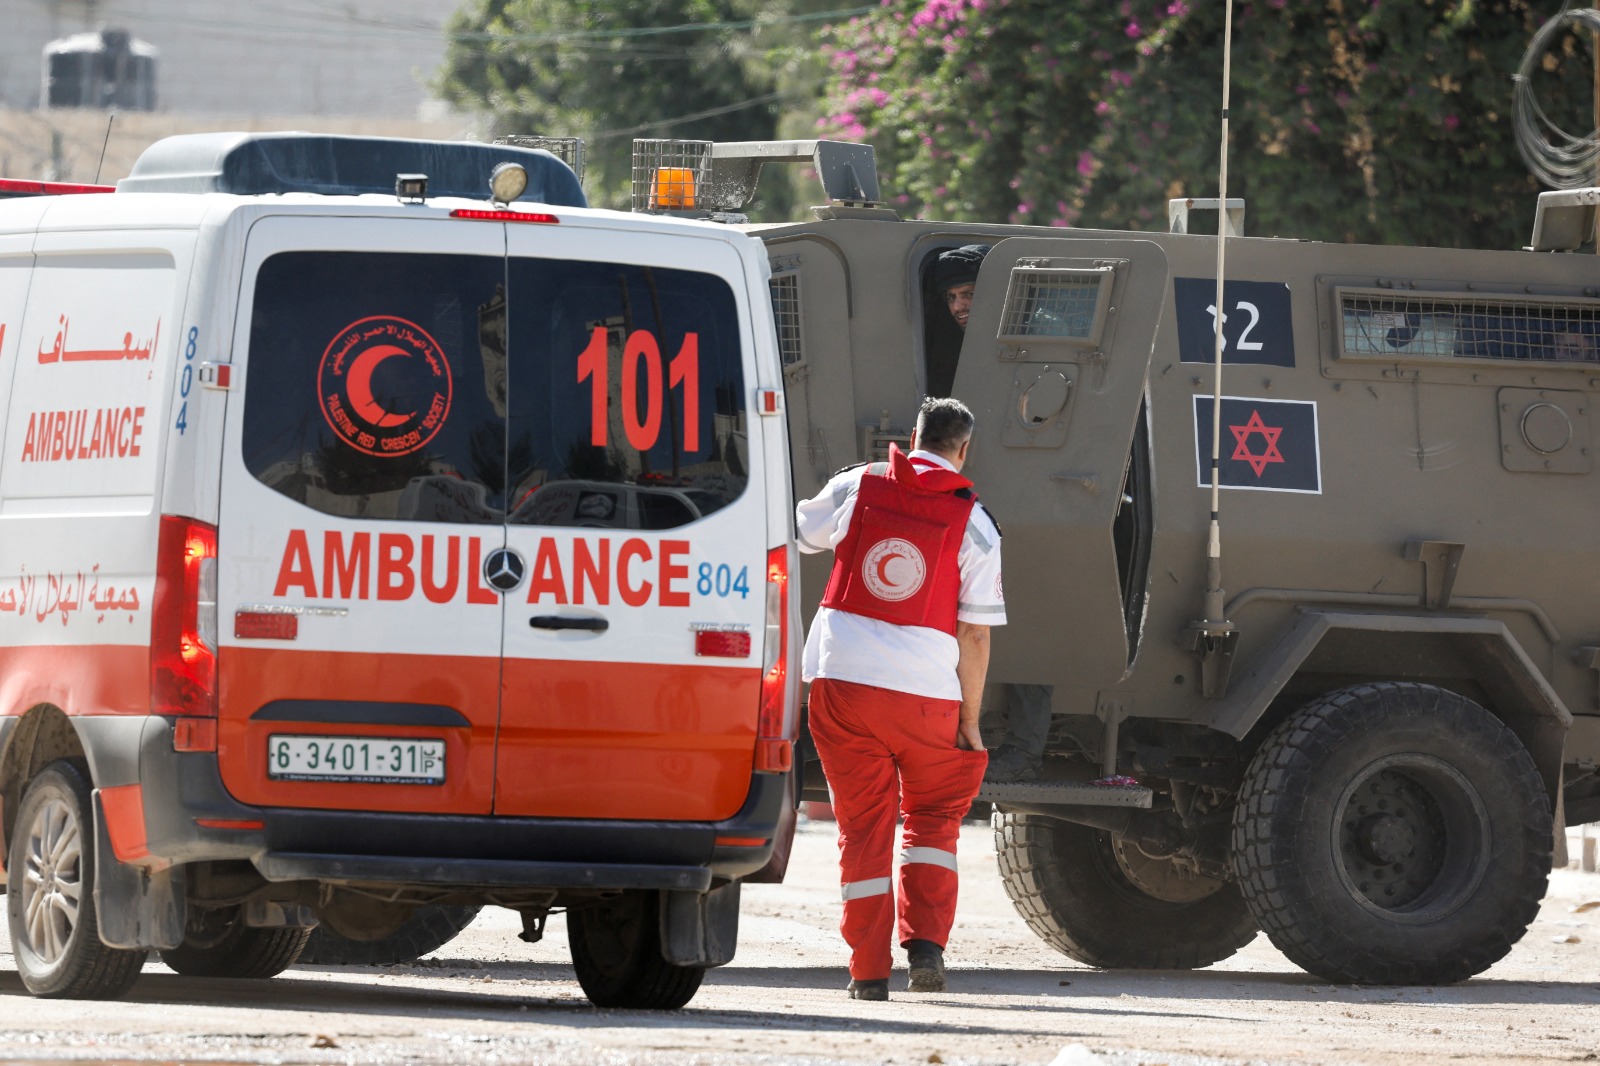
x=287 y=636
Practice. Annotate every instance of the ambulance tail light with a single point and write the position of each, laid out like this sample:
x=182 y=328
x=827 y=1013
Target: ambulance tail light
x=774 y=734
x=183 y=632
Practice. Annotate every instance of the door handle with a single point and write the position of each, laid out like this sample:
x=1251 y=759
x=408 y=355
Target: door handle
x=556 y=621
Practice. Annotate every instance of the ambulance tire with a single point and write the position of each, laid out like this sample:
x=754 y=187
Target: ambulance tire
x=229 y=948
x=1393 y=834
x=616 y=950
x=1074 y=889
x=429 y=928
x=53 y=839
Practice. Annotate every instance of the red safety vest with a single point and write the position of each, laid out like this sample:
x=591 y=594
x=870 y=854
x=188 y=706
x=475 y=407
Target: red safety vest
x=900 y=560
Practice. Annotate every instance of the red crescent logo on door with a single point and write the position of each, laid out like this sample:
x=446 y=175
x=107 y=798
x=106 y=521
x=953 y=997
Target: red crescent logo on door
x=893 y=569
x=384 y=385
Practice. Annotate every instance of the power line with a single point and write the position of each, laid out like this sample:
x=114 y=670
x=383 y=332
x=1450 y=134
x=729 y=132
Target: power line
x=563 y=36
x=374 y=27
x=712 y=112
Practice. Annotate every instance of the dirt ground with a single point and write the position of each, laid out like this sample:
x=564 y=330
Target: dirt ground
x=487 y=998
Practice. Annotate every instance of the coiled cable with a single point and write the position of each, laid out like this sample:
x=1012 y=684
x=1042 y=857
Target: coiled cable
x=1557 y=158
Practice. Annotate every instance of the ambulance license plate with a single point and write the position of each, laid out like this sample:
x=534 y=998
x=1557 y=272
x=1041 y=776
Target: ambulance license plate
x=381 y=760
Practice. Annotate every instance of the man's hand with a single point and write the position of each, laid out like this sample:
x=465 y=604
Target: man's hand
x=971 y=668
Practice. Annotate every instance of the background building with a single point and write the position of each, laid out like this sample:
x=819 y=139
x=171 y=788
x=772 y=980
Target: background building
x=269 y=57
x=357 y=66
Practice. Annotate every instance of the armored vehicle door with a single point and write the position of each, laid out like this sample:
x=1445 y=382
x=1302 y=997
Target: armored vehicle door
x=1054 y=365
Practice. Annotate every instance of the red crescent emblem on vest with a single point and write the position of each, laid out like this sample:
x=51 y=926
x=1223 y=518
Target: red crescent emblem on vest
x=893 y=569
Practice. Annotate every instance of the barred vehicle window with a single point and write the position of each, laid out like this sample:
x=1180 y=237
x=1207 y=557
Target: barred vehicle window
x=1068 y=304
x=1469 y=327
x=371 y=384
x=786 y=314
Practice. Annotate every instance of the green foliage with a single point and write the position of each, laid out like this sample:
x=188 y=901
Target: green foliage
x=612 y=70
x=1382 y=121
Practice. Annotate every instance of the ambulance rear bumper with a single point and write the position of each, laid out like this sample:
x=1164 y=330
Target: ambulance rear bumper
x=468 y=873
x=190 y=817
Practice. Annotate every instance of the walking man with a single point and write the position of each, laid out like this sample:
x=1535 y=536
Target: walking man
x=896 y=658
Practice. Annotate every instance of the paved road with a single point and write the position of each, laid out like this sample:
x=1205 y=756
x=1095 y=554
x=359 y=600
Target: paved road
x=488 y=999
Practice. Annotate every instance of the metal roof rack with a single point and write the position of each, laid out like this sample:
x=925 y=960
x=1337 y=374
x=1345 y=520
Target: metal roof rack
x=708 y=179
x=567 y=149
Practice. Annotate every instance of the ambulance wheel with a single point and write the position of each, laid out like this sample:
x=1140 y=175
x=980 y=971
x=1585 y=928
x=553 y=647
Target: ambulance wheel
x=55 y=937
x=1099 y=899
x=428 y=929
x=616 y=950
x=217 y=943
x=1393 y=834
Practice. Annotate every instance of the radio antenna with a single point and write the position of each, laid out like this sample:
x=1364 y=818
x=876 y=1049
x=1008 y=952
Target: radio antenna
x=1213 y=638
x=112 y=117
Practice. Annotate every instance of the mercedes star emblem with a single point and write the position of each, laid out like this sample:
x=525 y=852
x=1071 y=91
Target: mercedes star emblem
x=504 y=569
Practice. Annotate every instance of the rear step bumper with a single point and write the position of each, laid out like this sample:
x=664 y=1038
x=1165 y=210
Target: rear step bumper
x=181 y=788
x=476 y=875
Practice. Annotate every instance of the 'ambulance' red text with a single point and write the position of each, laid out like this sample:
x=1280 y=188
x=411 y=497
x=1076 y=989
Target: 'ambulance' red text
x=400 y=566
x=64 y=436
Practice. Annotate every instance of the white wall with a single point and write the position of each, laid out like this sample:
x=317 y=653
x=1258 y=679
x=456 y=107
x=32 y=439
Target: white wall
x=249 y=57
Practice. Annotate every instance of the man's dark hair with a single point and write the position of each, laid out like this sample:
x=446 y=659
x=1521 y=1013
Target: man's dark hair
x=943 y=423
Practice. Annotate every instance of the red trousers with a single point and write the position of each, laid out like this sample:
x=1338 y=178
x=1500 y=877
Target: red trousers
x=883 y=752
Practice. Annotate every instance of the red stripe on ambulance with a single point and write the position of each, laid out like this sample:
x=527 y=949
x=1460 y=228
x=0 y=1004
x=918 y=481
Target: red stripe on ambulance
x=443 y=568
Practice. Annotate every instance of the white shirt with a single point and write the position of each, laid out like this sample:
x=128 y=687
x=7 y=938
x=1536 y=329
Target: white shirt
x=867 y=651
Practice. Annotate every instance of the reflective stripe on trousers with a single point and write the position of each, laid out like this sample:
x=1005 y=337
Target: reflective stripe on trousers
x=877 y=886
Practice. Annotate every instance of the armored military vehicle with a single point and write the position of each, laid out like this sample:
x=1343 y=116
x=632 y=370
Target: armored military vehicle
x=1373 y=753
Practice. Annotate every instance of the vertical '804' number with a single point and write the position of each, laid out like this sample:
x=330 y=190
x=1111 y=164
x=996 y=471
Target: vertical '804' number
x=186 y=378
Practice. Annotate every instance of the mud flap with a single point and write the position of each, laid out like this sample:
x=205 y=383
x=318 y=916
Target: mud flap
x=700 y=928
x=134 y=906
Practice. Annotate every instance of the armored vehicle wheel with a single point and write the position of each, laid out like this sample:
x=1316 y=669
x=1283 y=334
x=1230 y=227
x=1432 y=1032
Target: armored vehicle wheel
x=616 y=949
x=218 y=944
x=1393 y=834
x=428 y=929
x=55 y=937
x=1098 y=899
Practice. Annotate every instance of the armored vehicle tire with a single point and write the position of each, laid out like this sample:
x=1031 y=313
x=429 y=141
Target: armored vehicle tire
x=1393 y=833
x=218 y=944
x=428 y=929
x=616 y=950
x=1079 y=889
x=55 y=936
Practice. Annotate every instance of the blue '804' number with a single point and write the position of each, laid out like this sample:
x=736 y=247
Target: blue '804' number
x=186 y=378
x=721 y=581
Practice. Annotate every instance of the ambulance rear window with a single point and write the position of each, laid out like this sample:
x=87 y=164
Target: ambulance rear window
x=454 y=388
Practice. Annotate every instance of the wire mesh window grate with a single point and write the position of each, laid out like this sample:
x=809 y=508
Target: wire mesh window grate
x=1067 y=304
x=786 y=313
x=1469 y=327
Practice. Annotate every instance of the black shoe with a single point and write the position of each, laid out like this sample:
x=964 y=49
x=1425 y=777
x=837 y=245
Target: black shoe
x=926 y=960
x=1010 y=763
x=876 y=990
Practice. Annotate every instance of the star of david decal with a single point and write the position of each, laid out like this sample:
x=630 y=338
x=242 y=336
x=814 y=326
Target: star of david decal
x=1270 y=434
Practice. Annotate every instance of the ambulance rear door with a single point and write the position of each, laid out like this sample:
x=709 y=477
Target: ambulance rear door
x=363 y=493
x=636 y=533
